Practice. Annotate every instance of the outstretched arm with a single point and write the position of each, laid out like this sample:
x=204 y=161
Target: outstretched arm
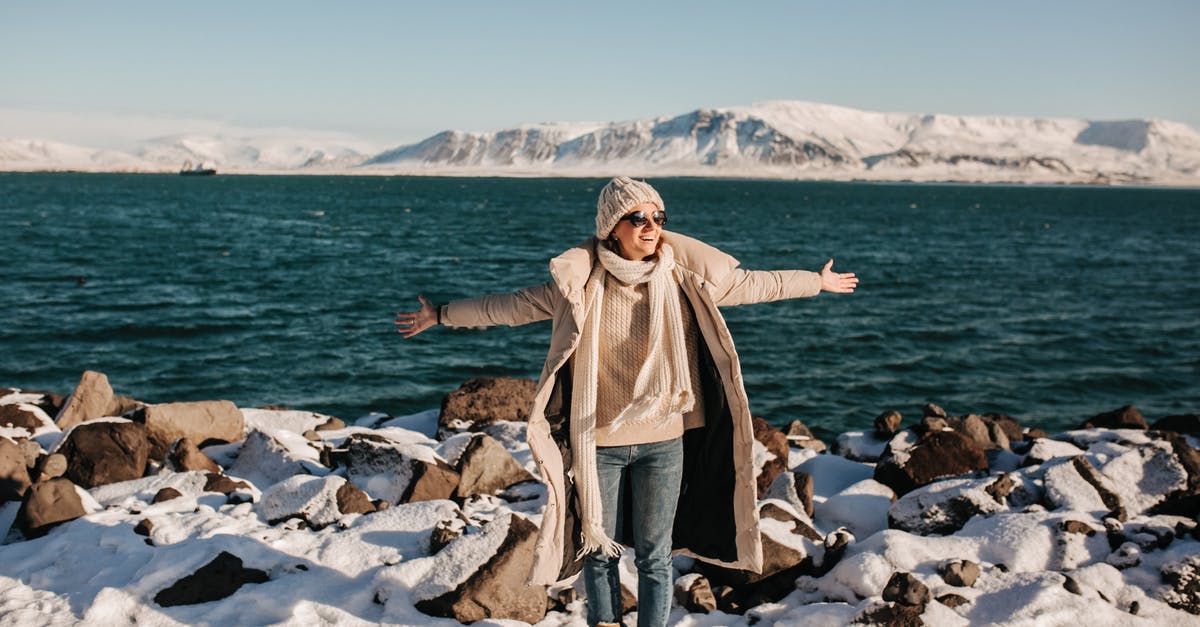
x=744 y=287
x=523 y=306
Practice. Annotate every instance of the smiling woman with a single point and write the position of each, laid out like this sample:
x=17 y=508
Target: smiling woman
x=641 y=389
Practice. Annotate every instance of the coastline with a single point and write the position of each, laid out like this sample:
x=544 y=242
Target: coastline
x=885 y=524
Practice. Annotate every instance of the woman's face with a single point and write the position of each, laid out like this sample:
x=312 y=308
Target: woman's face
x=638 y=242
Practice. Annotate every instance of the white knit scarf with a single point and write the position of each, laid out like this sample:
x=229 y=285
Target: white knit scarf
x=662 y=388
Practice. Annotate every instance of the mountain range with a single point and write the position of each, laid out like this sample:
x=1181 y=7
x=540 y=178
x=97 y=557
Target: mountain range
x=777 y=139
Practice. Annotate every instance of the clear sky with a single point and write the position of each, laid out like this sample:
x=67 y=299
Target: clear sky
x=106 y=74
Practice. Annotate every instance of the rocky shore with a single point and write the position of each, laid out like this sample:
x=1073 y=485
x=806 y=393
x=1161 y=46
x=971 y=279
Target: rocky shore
x=120 y=512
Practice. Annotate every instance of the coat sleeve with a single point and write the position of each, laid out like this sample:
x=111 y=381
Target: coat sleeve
x=743 y=287
x=531 y=304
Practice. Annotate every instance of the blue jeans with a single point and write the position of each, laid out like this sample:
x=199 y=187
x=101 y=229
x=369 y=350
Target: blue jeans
x=654 y=472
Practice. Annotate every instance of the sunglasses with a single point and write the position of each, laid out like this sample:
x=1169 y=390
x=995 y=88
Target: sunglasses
x=638 y=218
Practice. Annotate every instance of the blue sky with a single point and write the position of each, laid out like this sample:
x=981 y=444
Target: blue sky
x=108 y=73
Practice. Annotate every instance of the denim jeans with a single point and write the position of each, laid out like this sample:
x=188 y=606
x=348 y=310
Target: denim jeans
x=654 y=472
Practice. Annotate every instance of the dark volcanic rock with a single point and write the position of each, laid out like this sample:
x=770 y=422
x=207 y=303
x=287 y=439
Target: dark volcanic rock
x=92 y=398
x=15 y=416
x=485 y=467
x=695 y=594
x=906 y=466
x=1182 y=423
x=1183 y=577
x=222 y=484
x=395 y=473
x=943 y=507
x=890 y=614
x=144 y=527
x=166 y=494
x=14 y=476
x=215 y=580
x=479 y=402
x=495 y=588
x=47 y=504
x=777 y=444
x=1127 y=417
x=100 y=453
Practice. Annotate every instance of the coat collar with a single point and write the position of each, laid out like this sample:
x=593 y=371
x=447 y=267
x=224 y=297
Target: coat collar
x=572 y=268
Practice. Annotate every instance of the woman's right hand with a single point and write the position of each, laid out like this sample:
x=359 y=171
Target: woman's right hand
x=410 y=323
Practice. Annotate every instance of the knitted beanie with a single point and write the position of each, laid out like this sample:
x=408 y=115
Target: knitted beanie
x=619 y=197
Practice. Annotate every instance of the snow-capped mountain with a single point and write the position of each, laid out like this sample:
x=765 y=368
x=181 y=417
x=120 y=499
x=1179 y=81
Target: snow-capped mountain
x=778 y=139
x=789 y=139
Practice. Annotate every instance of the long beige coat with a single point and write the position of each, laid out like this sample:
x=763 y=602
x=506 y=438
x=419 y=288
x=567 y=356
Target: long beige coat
x=717 y=506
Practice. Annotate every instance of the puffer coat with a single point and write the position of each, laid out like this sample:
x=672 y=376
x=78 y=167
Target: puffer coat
x=717 y=517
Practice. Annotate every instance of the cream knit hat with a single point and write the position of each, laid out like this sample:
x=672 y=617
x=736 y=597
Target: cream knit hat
x=617 y=198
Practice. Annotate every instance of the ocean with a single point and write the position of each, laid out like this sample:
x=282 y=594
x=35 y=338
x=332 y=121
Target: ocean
x=1048 y=303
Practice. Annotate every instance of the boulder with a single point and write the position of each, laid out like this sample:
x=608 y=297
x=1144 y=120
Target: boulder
x=932 y=423
x=795 y=488
x=929 y=410
x=962 y=573
x=905 y=589
x=943 y=507
x=1181 y=423
x=315 y=500
x=333 y=424
x=144 y=527
x=776 y=444
x=445 y=532
x=1010 y=427
x=221 y=484
x=47 y=504
x=485 y=467
x=1044 y=449
x=14 y=475
x=202 y=422
x=887 y=424
x=1127 y=417
x=790 y=548
x=482 y=575
x=21 y=416
x=694 y=594
x=99 y=453
x=952 y=600
x=859 y=446
x=479 y=402
x=50 y=466
x=398 y=473
x=1146 y=475
x=32 y=452
x=265 y=460
x=92 y=398
x=890 y=614
x=185 y=455
x=910 y=462
x=975 y=428
x=215 y=580
x=1073 y=484
x=861 y=507
x=166 y=494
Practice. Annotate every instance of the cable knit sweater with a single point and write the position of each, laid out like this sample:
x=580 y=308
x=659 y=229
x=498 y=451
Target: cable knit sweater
x=624 y=329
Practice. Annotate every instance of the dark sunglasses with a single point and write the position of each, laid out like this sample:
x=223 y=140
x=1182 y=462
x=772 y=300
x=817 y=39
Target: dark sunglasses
x=638 y=218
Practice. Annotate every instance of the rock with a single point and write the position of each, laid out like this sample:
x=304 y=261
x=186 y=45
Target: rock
x=202 y=422
x=485 y=467
x=398 y=473
x=1011 y=428
x=1127 y=555
x=333 y=424
x=20 y=417
x=836 y=544
x=952 y=600
x=931 y=424
x=929 y=410
x=482 y=575
x=1034 y=433
x=890 y=614
x=975 y=428
x=1182 y=423
x=166 y=494
x=800 y=436
x=351 y=500
x=909 y=463
x=1073 y=484
x=1147 y=474
x=887 y=424
x=50 y=466
x=1076 y=526
x=905 y=589
x=122 y=405
x=265 y=460
x=224 y=485
x=790 y=547
x=795 y=488
x=1187 y=457
x=99 y=453
x=1127 y=417
x=215 y=580
x=804 y=490
x=1072 y=586
x=859 y=446
x=479 y=402
x=943 y=507
x=1045 y=449
x=961 y=573
x=144 y=527
x=185 y=455
x=1187 y=505
x=1182 y=590
x=445 y=532
x=694 y=594
x=92 y=398
x=777 y=444
x=47 y=504
x=14 y=475
x=311 y=499
x=861 y=507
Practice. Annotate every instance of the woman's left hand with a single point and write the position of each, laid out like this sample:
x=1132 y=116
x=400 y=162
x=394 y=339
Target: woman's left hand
x=837 y=282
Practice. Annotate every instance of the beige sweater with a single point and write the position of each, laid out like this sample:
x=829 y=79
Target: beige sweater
x=624 y=330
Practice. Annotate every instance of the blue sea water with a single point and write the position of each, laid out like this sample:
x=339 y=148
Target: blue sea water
x=1050 y=304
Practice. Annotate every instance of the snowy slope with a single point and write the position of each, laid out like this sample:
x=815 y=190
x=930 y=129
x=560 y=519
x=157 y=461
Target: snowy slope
x=39 y=154
x=253 y=153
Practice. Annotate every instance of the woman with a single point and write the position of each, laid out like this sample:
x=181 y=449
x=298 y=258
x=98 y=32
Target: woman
x=641 y=398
